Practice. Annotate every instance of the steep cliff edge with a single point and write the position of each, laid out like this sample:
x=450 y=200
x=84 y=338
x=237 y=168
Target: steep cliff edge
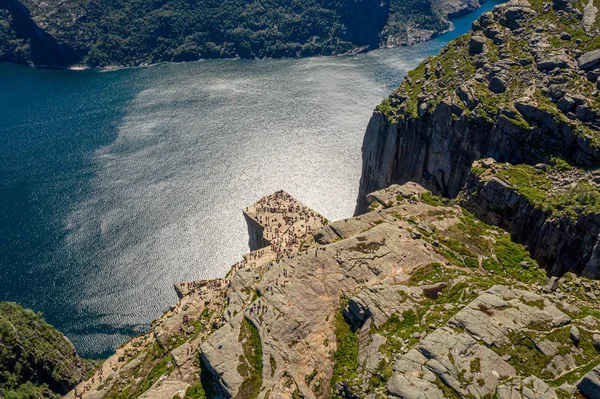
x=522 y=87
x=554 y=209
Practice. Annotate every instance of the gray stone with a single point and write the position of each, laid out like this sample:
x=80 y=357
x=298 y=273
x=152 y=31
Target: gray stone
x=565 y=36
x=565 y=104
x=465 y=93
x=583 y=113
x=589 y=385
x=497 y=85
x=514 y=16
x=476 y=44
x=596 y=341
x=546 y=348
x=589 y=16
x=589 y=59
x=574 y=334
x=553 y=61
x=593 y=75
x=551 y=285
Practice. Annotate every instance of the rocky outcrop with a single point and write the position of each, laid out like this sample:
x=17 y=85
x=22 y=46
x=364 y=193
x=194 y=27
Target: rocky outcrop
x=414 y=299
x=561 y=242
x=486 y=95
x=589 y=385
x=467 y=104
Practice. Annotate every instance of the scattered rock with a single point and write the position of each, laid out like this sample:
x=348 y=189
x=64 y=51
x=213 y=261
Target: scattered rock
x=476 y=44
x=593 y=75
x=589 y=59
x=551 y=285
x=565 y=104
x=574 y=334
x=497 y=85
x=514 y=16
x=596 y=341
x=589 y=385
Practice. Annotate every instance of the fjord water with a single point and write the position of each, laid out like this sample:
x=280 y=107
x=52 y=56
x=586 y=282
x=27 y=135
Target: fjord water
x=114 y=186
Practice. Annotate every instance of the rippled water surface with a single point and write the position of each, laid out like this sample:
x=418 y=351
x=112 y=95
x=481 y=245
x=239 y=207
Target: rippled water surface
x=114 y=186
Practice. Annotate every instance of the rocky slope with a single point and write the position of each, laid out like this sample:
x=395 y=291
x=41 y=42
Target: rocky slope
x=64 y=33
x=419 y=296
x=35 y=359
x=522 y=87
x=415 y=299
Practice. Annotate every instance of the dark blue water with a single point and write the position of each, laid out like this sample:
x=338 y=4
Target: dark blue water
x=114 y=186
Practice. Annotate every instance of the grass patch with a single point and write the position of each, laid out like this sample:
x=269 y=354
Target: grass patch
x=250 y=366
x=345 y=358
x=511 y=255
x=529 y=181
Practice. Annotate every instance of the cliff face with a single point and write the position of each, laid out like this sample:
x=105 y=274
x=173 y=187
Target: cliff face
x=560 y=238
x=521 y=88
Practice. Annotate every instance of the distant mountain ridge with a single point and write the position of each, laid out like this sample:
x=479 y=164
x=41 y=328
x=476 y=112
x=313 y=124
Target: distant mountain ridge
x=113 y=33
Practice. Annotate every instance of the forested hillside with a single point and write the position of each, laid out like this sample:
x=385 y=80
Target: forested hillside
x=36 y=360
x=133 y=32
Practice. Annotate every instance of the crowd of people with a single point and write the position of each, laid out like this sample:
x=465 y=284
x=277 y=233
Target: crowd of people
x=285 y=220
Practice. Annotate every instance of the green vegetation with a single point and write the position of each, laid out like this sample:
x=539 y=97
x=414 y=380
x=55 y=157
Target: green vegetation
x=475 y=365
x=161 y=368
x=35 y=359
x=134 y=32
x=411 y=13
x=345 y=357
x=250 y=366
x=196 y=391
x=524 y=357
x=12 y=48
x=529 y=181
x=433 y=200
x=581 y=198
x=388 y=110
x=511 y=256
x=535 y=184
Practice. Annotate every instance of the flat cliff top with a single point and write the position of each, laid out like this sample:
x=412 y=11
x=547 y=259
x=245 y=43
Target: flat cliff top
x=415 y=296
x=286 y=223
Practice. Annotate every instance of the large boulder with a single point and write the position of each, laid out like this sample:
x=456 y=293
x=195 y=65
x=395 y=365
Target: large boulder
x=589 y=59
x=476 y=44
x=497 y=85
x=514 y=17
x=589 y=385
x=554 y=61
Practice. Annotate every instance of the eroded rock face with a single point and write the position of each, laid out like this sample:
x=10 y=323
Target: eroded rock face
x=561 y=242
x=529 y=98
x=513 y=102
